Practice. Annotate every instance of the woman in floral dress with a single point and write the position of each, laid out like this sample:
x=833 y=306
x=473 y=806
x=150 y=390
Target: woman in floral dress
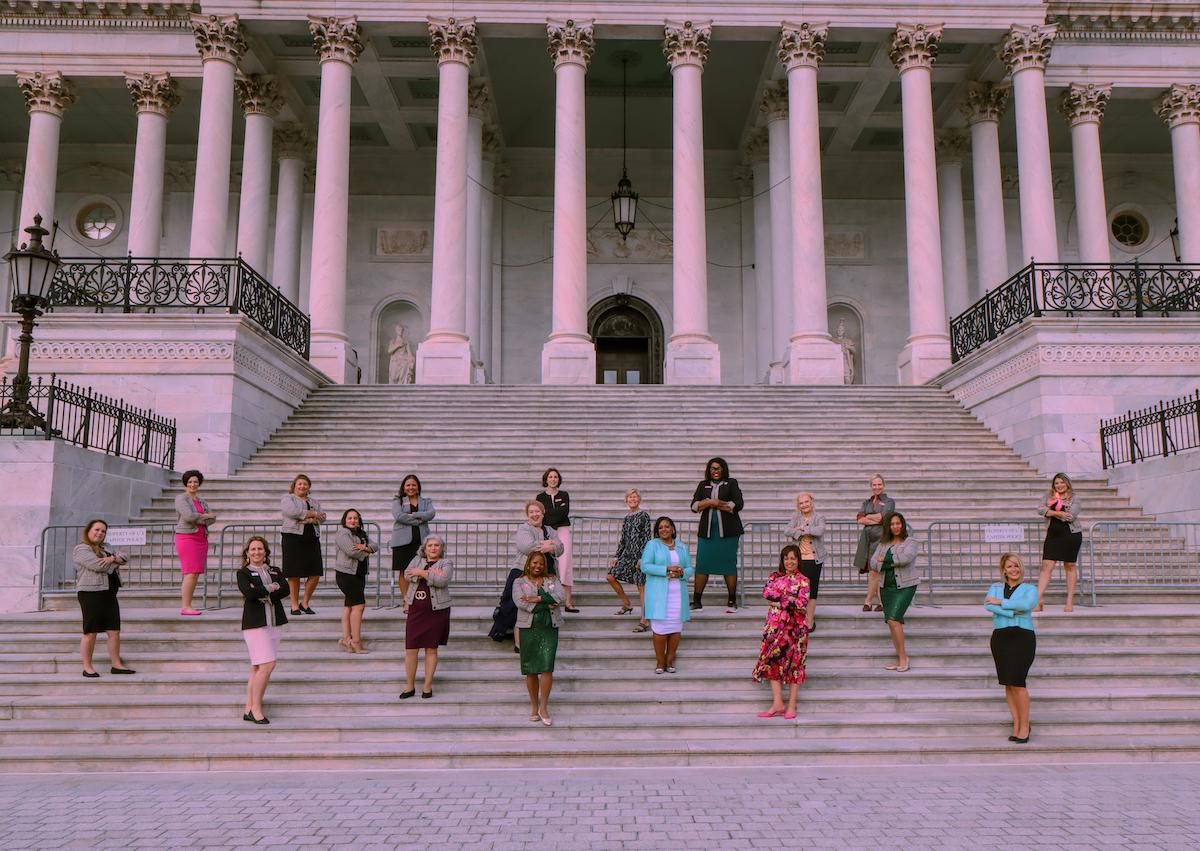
x=785 y=634
x=635 y=532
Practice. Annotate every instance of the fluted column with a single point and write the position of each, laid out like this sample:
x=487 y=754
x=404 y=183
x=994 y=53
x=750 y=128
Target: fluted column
x=692 y=355
x=47 y=96
x=927 y=351
x=293 y=148
x=221 y=44
x=1025 y=52
x=487 y=224
x=338 y=43
x=155 y=97
x=984 y=105
x=1179 y=106
x=756 y=153
x=1083 y=105
x=569 y=355
x=951 y=147
x=261 y=102
x=478 y=108
x=774 y=107
x=813 y=356
x=444 y=357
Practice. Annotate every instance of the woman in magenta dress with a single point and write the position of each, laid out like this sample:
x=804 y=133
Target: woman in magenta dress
x=785 y=634
x=191 y=537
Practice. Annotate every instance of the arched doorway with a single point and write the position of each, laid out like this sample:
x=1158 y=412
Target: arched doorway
x=629 y=341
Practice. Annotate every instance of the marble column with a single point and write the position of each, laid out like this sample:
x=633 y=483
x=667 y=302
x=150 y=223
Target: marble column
x=569 y=355
x=692 y=355
x=444 y=357
x=12 y=173
x=927 y=351
x=983 y=107
x=478 y=108
x=221 y=44
x=1083 y=105
x=757 y=155
x=338 y=43
x=813 y=356
x=293 y=148
x=259 y=96
x=47 y=95
x=487 y=223
x=155 y=97
x=1179 y=106
x=951 y=146
x=774 y=107
x=1025 y=52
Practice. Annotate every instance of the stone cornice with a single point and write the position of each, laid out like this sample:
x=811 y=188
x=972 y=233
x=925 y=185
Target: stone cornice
x=219 y=37
x=46 y=91
x=1090 y=20
x=1179 y=105
x=802 y=45
x=686 y=43
x=571 y=42
x=774 y=103
x=453 y=40
x=984 y=102
x=97 y=14
x=154 y=93
x=1027 y=47
x=915 y=45
x=1084 y=103
x=336 y=39
x=258 y=94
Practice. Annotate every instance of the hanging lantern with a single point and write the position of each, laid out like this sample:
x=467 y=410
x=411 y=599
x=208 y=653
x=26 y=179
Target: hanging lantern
x=624 y=204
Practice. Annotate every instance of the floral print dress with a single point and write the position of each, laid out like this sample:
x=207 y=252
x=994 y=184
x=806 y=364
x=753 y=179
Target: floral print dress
x=635 y=532
x=785 y=634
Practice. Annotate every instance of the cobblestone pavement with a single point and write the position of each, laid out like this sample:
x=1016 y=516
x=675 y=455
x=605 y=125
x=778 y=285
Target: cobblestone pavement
x=1007 y=807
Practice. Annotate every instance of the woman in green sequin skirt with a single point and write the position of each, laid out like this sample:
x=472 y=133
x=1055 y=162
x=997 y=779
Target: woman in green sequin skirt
x=539 y=600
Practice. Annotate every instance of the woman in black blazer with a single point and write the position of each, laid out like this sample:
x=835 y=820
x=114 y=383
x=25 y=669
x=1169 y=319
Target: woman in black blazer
x=717 y=500
x=263 y=588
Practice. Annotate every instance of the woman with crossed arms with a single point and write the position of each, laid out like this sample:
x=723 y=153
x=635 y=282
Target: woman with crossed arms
x=1014 y=643
x=539 y=599
x=427 y=605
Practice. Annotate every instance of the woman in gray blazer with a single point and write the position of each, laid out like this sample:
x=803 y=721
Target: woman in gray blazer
x=300 y=536
x=191 y=537
x=539 y=599
x=807 y=529
x=411 y=514
x=534 y=536
x=96 y=584
x=895 y=558
x=427 y=605
x=352 y=553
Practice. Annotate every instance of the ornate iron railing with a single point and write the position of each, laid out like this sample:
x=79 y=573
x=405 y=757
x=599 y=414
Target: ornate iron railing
x=80 y=416
x=1115 y=289
x=149 y=285
x=1158 y=430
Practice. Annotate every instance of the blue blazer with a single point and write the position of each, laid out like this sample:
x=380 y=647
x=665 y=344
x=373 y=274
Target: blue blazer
x=1024 y=599
x=656 y=558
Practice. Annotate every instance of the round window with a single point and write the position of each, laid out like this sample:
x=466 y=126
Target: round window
x=1129 y=228
x=97 y=221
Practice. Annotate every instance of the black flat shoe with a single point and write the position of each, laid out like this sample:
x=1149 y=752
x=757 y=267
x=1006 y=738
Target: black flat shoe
x=93 y=675
x=1020 y=741
x=405 y=695
x=427 y=694
x=248 y=717
x=263 y=720
x=571 y=609
x=516 y=649
x=307 y=610
x=1012 y=738
x=122 y=671
x=297 y=612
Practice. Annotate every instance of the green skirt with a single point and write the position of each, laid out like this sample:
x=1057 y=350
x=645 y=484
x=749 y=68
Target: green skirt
x=539 y=645
x=895 y=600
x=717 y=556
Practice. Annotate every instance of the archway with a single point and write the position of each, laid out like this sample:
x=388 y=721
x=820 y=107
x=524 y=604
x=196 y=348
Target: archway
x=629 y=341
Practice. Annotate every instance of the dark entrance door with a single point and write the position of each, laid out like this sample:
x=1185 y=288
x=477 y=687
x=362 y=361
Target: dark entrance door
x=622 y=360
x=629 y=341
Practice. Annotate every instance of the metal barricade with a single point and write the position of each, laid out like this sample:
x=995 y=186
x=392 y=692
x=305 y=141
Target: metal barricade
x=1145 y=554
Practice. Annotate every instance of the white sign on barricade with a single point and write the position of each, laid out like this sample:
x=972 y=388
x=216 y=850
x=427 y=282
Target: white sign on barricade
x=126 y=536
x=1004 y=533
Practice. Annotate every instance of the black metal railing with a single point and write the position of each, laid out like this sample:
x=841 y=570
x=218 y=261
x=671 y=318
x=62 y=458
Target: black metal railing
x=80 y=416
x=1158 y=430
x=1114 y=289
x=149 y=285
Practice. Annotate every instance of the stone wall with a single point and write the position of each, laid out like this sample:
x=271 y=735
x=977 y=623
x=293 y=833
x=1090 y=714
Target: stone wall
x=1167 y=488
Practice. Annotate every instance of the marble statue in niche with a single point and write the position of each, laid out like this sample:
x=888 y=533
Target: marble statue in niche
x=849 y=350
x=402 y=364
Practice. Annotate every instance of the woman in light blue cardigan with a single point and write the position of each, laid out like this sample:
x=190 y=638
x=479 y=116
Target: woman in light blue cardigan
x=668 y=567
x=1014 y=642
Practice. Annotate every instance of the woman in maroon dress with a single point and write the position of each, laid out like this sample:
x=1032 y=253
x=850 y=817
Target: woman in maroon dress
x=785 y=635
x=427 y=605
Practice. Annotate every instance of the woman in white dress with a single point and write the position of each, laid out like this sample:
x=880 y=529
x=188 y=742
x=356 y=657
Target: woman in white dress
x=668 y=567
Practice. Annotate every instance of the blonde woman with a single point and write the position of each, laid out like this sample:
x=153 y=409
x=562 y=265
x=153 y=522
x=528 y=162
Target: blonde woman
x=263 y=591
x=635 y=532
x=870 y=530
x=807 y=530
x=1064 y=537
x=1014 y=643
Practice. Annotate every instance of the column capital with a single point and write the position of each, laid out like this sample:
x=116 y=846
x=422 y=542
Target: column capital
x=774 y=104
x=336 y=39
x=985 y=102
x=218 y=37
x=258 y=94
x=802 y=45
x=12 y=173
x=686 y=43
x=950 y=146
x=1084 y=103
x=493 y=142
x=453 y=39
x=915 y=45
x=1179 y=105
x=46 y=91
x=1027 y=47
x=500 y=175
x=157 y=94
x=571 y=41
x=292 y=142
x=479 y=99
x=756 y=148
x=743 y=176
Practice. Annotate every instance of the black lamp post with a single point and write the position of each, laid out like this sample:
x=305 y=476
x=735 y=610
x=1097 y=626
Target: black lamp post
x=32 y=268
x=624 y=200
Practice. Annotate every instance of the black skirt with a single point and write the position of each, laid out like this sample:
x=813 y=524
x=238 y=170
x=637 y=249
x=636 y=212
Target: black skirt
x=811 y=570
x=101 y=611
x=1013 y=649
x=302 y=554
x=354 y=585
x=403 y=555
x=1061 y=543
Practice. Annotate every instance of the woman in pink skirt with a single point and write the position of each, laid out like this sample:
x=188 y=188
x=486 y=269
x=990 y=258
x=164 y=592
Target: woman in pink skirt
x=263 y=588
x=557 y=503
x=191 y=537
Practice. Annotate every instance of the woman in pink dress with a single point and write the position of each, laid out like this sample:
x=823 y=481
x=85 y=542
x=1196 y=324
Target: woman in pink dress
x=191 y=537
x=785 y=634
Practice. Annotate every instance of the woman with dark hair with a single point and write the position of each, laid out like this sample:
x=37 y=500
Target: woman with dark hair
x=427 y=605
x=717 y=500
x=263 y=591
x=300 y=536
x=191 y=537
x=411 y=514
x=96 y=584
x=636 y=530
x=785 y=634
x=538 y=597
x=1014 y=643
x=350 y=564
x=668 y=567
x=557 y=503
x=895 y=558
x=1064 y=537
x=870 y=528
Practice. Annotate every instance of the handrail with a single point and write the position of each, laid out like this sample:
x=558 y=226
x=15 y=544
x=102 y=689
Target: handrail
x=1158 y=430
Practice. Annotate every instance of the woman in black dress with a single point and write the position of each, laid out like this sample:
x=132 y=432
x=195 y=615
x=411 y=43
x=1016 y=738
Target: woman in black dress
x=557 y=503
x=427 y=605
x=635 y=532
x=1064 y=537
x=301 y=539
x=96 y=584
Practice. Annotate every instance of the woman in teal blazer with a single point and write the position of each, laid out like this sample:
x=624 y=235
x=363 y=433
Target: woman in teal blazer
x=1014 y=642
x=668 y=567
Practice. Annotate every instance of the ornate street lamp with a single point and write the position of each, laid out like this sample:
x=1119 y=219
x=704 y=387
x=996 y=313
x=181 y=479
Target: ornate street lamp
x=31 y=268
x=624 y=200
